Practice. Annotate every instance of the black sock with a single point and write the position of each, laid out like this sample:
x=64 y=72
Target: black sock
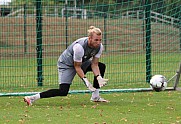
x=102 y=68
x=62 y=91
x=95 y=83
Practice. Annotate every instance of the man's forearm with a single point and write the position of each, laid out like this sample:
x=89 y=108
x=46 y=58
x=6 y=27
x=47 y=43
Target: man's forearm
x=80 y=72
x=95 y=69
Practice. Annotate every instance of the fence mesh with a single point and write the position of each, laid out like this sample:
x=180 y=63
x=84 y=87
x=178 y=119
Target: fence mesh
x=140 y=38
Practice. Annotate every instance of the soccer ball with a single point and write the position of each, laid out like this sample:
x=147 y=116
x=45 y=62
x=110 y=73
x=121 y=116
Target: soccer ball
x=158 y=83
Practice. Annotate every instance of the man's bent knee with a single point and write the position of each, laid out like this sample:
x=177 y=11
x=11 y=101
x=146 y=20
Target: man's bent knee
x=64 y=89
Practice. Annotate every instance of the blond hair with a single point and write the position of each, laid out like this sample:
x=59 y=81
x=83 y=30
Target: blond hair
x=93 y=29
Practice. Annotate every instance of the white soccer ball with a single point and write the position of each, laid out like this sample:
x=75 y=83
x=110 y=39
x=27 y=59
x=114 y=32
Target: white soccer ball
x=158 y=83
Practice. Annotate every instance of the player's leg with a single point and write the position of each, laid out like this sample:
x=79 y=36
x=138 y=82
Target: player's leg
x=95 y=95
x=65 y=79
x=102 y=68
x=62 y=91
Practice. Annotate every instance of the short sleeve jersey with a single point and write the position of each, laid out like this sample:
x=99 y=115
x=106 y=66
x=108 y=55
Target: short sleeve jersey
x=79 y=51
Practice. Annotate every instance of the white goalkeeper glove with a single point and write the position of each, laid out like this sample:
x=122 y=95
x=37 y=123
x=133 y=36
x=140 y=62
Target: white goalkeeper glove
x=101 y=81
x=88 y=84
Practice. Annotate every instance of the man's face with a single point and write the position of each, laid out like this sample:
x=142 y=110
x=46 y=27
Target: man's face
x=95 y=40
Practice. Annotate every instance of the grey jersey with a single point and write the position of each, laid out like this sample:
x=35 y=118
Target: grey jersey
x=67 y=57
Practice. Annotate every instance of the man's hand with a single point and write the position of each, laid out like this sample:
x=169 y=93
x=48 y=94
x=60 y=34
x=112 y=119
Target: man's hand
x=88 y=84
x=101 y=81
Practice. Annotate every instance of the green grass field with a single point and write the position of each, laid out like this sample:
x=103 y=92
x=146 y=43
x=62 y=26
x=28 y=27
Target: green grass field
x=124 y=108
x=126 y=68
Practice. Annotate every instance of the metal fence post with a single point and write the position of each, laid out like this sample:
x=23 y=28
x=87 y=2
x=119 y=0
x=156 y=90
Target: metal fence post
x=180 y=25
x=148 y=39
x=66 y=23
x=25 y=39
x=105 y=31
x=39 y=42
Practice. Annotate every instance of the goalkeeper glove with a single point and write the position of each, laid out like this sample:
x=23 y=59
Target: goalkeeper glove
x=101 y=81
x=88 y=84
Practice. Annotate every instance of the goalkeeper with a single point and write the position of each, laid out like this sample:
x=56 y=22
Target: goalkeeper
x=79 y=58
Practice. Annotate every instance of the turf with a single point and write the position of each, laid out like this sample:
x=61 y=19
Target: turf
x=129 y=108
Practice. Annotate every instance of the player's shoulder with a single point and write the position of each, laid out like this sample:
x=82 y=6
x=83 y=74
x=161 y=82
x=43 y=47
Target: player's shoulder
x=82 y=39
x=101 y=47
x=78 y=48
